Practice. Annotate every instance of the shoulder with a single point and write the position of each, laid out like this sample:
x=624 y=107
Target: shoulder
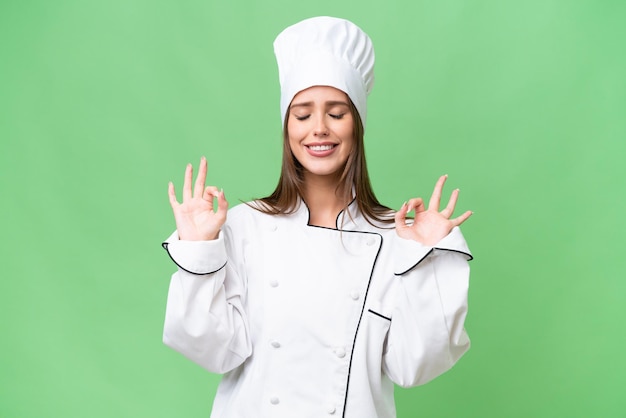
x=246 y=212
x=357 y=220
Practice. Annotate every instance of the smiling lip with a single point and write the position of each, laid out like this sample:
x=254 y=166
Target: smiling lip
x=321 y=149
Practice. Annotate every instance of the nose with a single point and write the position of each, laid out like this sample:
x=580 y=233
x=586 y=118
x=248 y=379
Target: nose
x=320 y=129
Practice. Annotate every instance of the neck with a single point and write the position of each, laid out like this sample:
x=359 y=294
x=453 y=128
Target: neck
x=324 y=200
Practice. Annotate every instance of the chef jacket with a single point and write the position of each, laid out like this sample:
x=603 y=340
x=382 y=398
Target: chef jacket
x=307 y=321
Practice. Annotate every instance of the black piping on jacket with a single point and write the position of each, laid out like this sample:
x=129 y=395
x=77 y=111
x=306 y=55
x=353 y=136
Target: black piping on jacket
x=165 y=245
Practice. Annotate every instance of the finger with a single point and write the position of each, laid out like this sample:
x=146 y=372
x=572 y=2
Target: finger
x=187 y=183
x=210 y=192
x=400 y=216
x=201 y=179
x=460 y=219
x=417 y=204
x=222 y=203
x=435 y=198
x=449 y=210
x=172 y=194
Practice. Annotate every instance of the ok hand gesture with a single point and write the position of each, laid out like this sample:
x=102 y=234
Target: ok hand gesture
x=196 y=219
x=429 y=225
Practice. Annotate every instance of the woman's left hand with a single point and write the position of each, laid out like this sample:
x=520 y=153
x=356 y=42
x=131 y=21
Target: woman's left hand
x=429 y=225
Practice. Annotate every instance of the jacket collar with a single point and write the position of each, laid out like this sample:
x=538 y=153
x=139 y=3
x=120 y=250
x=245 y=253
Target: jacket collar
x=349 y=219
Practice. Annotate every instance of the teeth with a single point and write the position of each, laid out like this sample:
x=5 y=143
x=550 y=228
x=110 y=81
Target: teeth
x=321 y=147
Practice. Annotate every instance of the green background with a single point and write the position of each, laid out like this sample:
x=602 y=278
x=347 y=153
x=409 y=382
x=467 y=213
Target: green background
x=522 y=103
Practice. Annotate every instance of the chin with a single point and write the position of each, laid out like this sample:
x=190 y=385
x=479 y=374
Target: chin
x=324 y=172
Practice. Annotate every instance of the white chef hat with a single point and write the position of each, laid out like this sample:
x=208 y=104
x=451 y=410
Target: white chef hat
x=325 y=51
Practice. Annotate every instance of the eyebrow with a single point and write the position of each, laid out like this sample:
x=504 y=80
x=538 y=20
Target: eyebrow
x=328 y=103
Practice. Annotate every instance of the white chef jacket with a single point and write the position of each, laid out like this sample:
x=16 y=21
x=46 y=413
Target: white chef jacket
x=307 y=321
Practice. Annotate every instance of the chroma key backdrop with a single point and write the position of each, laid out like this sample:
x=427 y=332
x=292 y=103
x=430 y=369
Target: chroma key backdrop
x=521 y=103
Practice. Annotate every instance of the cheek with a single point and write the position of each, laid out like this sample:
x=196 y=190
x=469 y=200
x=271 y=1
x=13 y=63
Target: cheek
x=292 y=142
x=295 y=131
x=347 y=133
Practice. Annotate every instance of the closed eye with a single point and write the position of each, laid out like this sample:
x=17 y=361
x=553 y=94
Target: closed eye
x=305 y=117
x=336 y=116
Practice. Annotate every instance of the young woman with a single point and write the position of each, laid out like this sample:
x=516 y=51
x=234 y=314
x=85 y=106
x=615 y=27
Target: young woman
x=315 y=300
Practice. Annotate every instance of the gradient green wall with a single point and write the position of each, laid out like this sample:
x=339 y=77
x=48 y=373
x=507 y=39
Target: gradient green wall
x=522 y=103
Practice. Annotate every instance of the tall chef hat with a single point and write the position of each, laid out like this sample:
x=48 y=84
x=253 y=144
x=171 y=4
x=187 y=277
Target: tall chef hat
x=325 y=51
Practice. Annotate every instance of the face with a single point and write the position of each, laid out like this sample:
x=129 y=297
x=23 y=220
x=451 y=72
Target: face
x=320 y=130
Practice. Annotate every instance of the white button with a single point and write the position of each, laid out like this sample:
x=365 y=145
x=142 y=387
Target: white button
x=274 y=283
x=275 y=344
x=340 y=352
x=354 y=295
x=331 y=409
x=273 y=228
x=274 y=400
x=370 y=242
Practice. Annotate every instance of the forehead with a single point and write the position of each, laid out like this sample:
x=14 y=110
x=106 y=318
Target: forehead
x=320 y=94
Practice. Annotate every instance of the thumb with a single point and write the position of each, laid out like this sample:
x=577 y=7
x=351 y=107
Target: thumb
x=222 y=203
x=400 y=216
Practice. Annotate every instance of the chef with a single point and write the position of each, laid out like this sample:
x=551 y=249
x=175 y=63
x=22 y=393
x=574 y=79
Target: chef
x=314 y=301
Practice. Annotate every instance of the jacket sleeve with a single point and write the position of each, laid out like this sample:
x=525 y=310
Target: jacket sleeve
x=426 y=334
x=205 y=318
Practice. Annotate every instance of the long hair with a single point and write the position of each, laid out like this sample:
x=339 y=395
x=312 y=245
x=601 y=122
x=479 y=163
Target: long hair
x=290 y=188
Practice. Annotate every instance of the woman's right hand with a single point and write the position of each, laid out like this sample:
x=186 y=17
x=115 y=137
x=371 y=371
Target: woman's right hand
x=196 y=219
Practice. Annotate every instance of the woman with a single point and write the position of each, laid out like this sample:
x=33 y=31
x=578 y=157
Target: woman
x=315 y=300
